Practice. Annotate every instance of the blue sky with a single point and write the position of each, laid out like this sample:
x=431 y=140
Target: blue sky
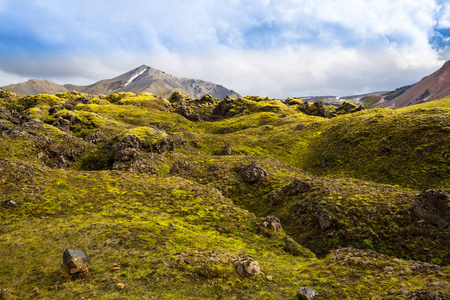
x=278 y=48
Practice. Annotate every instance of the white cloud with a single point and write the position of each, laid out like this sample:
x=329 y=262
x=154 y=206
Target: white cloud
x=317 y=47
x=444 y=16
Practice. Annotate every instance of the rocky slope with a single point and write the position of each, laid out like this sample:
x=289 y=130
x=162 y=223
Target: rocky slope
x=432 y=87
x=234 y=198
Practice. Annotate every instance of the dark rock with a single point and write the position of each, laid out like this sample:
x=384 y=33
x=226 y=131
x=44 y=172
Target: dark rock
x=434 y=207
x=296 y=187
x=226 y=150
x=427 y=295
x=324 y=221
x=182 y=167
x=306 y=293
x=206 y=98
x=223 y=107
x=176 y=97
x=348 y=107
x=253 y=173
x=23 y=119
x=95 y=137
x=270 y=226
x=314 y=109
x=189 y=114
x=75 y=263
x=62 y=124
x=127 y=149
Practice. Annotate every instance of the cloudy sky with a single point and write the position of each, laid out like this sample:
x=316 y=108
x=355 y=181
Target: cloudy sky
x=275 y=48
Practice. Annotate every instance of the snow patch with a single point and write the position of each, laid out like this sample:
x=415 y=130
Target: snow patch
x=135 y=76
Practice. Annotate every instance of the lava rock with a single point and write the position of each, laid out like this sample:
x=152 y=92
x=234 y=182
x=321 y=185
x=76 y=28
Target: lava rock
x=253 y=173
x=62 y=124
x=270 y=226
x=75 y=263
x=434 y=207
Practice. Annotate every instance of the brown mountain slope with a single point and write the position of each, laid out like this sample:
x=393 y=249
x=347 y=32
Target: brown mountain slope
x=36 y=86
x=434 y=86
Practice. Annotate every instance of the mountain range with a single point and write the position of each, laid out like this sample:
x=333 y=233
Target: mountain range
x=139 y=80
x=147 y=79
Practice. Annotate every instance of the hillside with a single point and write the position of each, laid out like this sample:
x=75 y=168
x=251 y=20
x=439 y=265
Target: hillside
x=35 y=87
x=233 y=198
x=432 y=87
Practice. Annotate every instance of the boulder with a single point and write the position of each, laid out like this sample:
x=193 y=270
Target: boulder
x=75 y=263
x=270 y=226
x=434 y=207
x=253 y=173
x=247 y=266
x=306 y=293
x=62 y=124
x=226 y=150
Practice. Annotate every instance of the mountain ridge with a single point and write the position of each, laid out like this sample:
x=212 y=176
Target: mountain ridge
x=139 y=80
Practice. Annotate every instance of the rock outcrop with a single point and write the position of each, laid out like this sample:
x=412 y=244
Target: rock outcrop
x=253 y=173
x=270 y=226
x=434 y=207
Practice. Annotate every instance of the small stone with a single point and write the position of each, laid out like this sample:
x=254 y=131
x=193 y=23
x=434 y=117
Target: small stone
x=306 y=293
x=120 y=286
x=270 y=278
x=172 y=224
x=116 y=268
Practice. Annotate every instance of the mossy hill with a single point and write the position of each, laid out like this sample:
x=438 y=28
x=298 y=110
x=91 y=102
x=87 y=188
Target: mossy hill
x=164 y=195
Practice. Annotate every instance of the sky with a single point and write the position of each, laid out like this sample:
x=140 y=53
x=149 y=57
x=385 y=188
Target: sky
x=274 y=48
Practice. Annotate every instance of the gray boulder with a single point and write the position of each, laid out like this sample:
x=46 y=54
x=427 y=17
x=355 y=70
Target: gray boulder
x=247 y=266
x=306 y=293
x=75 y=263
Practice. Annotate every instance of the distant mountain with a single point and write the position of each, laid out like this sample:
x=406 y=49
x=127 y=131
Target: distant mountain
x=36 y=86
x=141 y=79
x=147 y=79
x=434 y=86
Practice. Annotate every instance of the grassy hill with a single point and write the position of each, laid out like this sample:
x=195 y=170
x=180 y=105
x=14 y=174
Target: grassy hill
x=167 y=196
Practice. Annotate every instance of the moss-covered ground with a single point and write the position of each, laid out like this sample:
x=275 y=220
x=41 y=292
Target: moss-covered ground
x=160 y=203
